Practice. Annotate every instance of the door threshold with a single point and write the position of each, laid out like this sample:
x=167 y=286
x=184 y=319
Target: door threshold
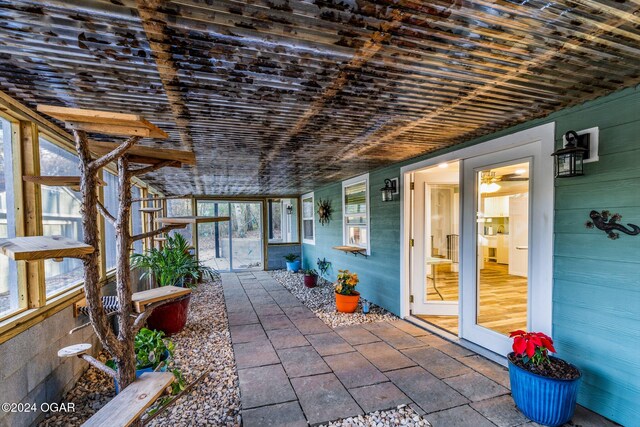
x=494 y=357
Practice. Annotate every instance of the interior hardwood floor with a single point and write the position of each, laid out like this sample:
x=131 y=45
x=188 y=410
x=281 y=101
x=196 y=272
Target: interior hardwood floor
x=503 y=298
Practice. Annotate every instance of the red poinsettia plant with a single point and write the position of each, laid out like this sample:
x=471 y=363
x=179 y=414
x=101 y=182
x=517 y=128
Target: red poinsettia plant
x=532 y=347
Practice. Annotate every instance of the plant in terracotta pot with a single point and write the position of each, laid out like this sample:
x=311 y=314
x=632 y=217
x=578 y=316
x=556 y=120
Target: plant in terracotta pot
x=544 y=388
x=293 y=262
x=310 y=278
x=346 y=295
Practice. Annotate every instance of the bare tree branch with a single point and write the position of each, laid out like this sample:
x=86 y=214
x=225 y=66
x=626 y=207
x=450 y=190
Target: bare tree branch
x=105 y=213
x=153 y=233
x=98 y=364
x=115 y=154
x=148 y=169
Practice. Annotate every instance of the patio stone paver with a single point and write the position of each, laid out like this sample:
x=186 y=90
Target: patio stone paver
x=312 y=326
x=287 y=338
x=255 y=353
x=242 y=318
x=397 y=338
x=356 y=335
x=329 y=343
x=324 y=399
x=247 y=333
x=430 y=393
x=462 y=416
x=501 y=411
x=302 y=361
x=294 y=370
x=281 y=415
x=354 y=370
x=384 y=357
x=439 y=364
x=379 y=397
x=279 y=321
x=264 y=385
x=475 y=386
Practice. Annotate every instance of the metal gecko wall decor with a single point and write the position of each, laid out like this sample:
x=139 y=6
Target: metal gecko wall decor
x=602 y=221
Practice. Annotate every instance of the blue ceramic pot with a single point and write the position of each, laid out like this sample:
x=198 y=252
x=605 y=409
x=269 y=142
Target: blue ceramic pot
x=293 y=266
x=547 y=401
x=143 y=370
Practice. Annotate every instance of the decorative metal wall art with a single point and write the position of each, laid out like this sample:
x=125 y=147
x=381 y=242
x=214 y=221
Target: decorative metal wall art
x=608 y=223
x=324 y=211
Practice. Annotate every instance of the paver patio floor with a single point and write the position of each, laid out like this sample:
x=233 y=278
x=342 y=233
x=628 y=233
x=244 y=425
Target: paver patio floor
x=294 y=370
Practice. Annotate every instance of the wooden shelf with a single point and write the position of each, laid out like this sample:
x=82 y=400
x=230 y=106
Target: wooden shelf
x=147 y=154
x=355 y=250
x=104 y=122
x=58 y=181
x=43 y=247
x=142 y=299
x=150 y=210
x=191 y=219
x=160 y=239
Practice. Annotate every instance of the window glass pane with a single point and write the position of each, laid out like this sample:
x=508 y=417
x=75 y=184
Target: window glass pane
x=8 y=273
x=357 y=236
x=283 y=220
x=60 y=215
x=355 y=215
x=355 y=199
x=307 y=218
x=307 y=208
x=136 y=218
x=111 y=203
x=180 y=207
x=307 y=225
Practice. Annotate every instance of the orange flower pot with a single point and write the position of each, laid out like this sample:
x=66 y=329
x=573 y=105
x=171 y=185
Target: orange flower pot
x=347 y=303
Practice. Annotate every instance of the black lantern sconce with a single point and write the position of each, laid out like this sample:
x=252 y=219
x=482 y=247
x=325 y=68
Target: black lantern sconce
x=569 y=159
x=389 y=190
x=289 y=210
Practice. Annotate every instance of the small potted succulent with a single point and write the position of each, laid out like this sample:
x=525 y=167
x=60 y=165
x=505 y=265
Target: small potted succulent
x=310 y=278
x=544 y=387
x=293 y=262
x=346 y=296
x=152 y=352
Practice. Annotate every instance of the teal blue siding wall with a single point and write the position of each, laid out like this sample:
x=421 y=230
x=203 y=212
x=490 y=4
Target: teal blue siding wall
x=596 y=295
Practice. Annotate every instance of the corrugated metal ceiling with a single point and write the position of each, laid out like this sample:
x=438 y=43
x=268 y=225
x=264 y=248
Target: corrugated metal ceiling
x=277 y=97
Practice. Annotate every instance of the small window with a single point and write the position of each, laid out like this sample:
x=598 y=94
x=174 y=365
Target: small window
x=9 y=290
x=111 y=204
x=136 y=218
x=61 y=215
x=283 y=220
x=308 y=223
x=355 y=199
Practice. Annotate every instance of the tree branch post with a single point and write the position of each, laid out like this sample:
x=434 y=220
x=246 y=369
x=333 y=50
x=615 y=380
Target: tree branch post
x=114 y=155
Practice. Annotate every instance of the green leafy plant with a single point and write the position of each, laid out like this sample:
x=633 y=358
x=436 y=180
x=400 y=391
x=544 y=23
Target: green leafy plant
x=291 y=257
x=151 y=348
x=310 y=272
x=174 y=264
x=532 y=347
x=347 y=282
x=323 y=266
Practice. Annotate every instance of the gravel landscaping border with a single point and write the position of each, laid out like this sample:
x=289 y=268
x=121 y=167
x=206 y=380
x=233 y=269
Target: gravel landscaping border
x=203 y=346
x=403 y=415
x=321 y=300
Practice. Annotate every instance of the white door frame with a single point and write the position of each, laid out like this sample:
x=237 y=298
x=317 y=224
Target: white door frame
x=545 y=134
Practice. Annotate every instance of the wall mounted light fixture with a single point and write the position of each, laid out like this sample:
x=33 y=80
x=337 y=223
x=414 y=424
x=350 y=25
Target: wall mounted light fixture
x=289 y=210
x=389 y=190
x=569 y=159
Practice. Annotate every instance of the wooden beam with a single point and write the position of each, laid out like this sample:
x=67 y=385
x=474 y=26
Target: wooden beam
x=57 y=181
x=103 y=122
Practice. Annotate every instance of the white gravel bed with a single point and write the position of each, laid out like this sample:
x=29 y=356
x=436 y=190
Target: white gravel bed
x=401 y=416
x=203 y=346
x=321 y=300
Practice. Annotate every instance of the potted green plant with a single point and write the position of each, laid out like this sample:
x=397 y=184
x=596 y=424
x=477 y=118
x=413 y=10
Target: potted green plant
x=293 y=262
x=310 y=278
x=544 y=388
x=172 y=265
x=152 y=350
x=346 y=296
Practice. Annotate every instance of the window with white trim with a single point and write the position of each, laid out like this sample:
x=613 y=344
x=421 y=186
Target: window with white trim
x=308 y=221
x=355 y=208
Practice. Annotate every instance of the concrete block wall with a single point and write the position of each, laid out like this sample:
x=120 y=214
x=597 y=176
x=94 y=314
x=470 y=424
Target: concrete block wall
x=31 y=371
x=276 y=255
